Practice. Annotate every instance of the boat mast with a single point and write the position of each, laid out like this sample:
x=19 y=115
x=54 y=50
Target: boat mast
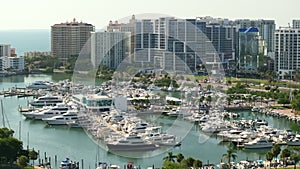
x=3 y=118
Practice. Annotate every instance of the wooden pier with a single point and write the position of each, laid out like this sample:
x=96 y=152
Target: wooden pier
x=20 y=93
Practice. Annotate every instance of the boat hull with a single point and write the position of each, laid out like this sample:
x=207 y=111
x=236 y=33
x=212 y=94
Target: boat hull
x=293 y=143
x=263 y=146
x=117 y=147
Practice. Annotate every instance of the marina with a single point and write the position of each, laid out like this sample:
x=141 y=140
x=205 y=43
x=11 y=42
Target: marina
x=92 y=145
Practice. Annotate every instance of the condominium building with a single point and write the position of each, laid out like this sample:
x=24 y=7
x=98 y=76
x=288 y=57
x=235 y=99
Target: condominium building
x=266 y=30
x=67 y=39
x=223 y=37
x=287 y=52
x=5 y=50
x=124 y=27
x=169 y=43
x=296 y=24
x=12 y=63
x=109 y=48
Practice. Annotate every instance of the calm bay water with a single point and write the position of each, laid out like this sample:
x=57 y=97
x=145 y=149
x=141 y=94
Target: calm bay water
x=76 y=144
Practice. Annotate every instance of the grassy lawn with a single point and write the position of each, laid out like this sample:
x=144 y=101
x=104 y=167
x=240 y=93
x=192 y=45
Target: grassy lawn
x=289 y=167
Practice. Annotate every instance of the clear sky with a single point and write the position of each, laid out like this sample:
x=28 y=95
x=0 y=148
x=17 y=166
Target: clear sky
x=41 y=14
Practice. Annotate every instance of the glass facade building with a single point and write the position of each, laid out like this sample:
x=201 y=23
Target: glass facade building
x=248 y=49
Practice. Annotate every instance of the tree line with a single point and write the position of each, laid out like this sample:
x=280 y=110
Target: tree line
x=12 y=150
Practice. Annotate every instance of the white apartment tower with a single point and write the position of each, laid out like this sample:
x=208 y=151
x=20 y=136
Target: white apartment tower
x=109 y=48
x=287 y=52
x=5 y=50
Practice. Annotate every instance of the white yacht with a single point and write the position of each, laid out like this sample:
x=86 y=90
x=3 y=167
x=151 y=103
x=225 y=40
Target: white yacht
x=177 y=112
x=39 y=85
x=68 y=164
x=71 y=115
x=255 y=109
x=258 y=143
x=162 y=139
x=30 y=114
x=131 y=142
x=293 y=142
x=47 y=101
x=156 y=136
x=152 y=87
x=53 y=111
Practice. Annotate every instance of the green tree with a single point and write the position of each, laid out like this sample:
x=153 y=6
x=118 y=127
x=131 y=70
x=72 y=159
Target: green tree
x=22 y=161
x=276 y=150
x=296 y=103
x=285 y=153
x=269 y=156
x=230 y=155
x=225 y=166
x=179 y=157
x=190 y=161
x=6 y=133
x=33 y=155
x=296 y=158
x=297 y=75
x=209 y=99
x=229 y=100
x=295 y=154
x=170 y=157
x=10 y=147
x=187 y=163
x=283 y=100
x=208 y=87
x=13 y=148
x=197 y=164
x=171 y=165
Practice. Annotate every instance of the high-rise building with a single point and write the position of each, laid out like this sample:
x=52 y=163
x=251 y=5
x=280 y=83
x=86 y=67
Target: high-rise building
x=287 y=52
x=67 y=39
x=266 y=30
x=223 y=38
x=124 y=27
x=248 y=49
x=169 y=43
x=5 y=50
x=296 y=24
x=109 y=48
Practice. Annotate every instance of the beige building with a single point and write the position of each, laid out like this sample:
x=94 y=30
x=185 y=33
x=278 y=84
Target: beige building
x=67 y=39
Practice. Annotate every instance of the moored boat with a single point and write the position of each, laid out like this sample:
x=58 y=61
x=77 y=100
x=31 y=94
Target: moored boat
x=71 y=115
x=131 y=142
x=69 y=164
x=47 y=101
x=259 y=143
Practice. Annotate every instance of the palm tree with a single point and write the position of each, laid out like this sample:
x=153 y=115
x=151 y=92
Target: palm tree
x=179 y=157
x=276 y=150
x=297 y=75
x=170 y=157
x=231 y=154
x=296 y=159
x=285 y=153
x=269 y=157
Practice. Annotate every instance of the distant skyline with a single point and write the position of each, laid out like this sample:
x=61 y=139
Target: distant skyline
x=41 y=14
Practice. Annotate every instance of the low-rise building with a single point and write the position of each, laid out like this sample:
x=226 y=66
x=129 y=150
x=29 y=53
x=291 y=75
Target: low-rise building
x=100 y=103
x=12 y=63
x=36 y=53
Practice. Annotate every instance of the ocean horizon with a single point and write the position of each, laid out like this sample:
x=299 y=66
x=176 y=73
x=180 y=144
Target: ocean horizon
x=27 y=40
